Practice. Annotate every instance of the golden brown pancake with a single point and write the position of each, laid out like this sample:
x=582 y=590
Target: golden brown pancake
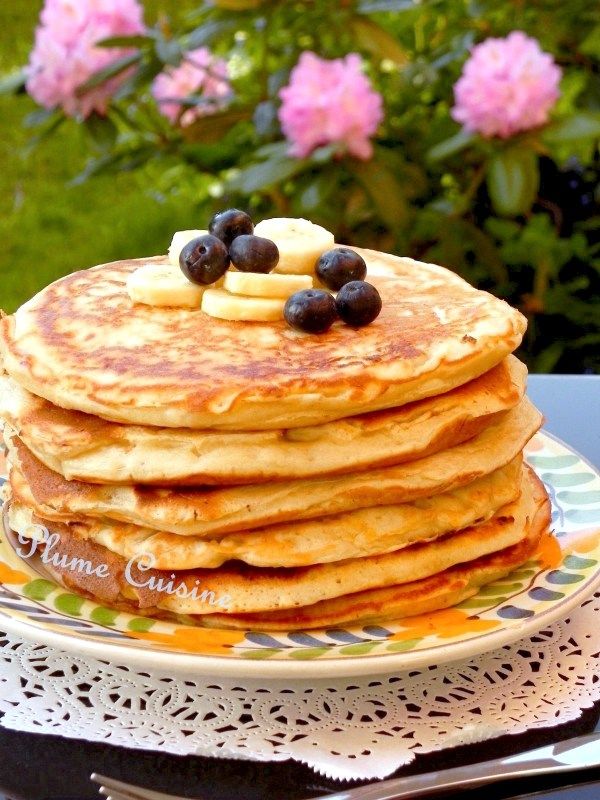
x=354 y=534
x=447 y=588
x=204 y=512
x=83 y=447
x=82 y=344
x=248 y=590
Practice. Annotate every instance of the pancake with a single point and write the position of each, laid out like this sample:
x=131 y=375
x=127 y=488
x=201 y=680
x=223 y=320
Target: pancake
x=447 y=588
x=81 y=344
x=240 y=589
x=83 y=447
x=204 y=512
x=355 y=534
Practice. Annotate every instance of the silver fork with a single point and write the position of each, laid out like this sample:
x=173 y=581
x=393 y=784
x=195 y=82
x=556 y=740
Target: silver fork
x=580 y=753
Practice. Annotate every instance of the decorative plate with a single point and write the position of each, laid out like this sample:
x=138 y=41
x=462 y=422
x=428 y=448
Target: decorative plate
x=546 y=588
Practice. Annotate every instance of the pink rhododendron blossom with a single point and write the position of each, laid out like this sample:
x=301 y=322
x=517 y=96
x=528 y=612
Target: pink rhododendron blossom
x=327 y=102
x=65 y=55
x=507 y=85
x=200 y=73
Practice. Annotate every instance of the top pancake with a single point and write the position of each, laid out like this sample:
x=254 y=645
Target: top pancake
x=82 y=344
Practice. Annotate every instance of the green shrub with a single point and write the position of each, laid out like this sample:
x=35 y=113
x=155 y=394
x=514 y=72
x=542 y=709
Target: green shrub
x=518 y=216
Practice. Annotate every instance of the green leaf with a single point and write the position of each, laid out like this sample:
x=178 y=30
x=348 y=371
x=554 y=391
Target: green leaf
x=124 y=160
x=39 y=117
x=212 y=128
x=69 y=604
x=268 y=173
x=591 y=44
x=212 y=157
x=583 y=125
x=204 y=34
x=384 y=190
x=324 y=154
x=553 y=462
x=265 y=119
x=104 y=616
x=140 y=624
x=358 y=649
x=47 y=123
x=373 y=6
x=13 y=82
x=451 y=146
x=376 y=40
x=586 y=498
x=237 y=5
x=277 y=80
x=278 y=149
x=102 y=130
x=549 y=357
x=316 y=192
x=168 y=50
x=265 y=652
x=125 y=41
x=137 y=80
x=110 y=71
x=513 y=179
x=307 y=653
x=38 y=589
x=403 y=645
x=582 y=515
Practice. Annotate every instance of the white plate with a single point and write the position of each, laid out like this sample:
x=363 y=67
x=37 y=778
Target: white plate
x=533 y=596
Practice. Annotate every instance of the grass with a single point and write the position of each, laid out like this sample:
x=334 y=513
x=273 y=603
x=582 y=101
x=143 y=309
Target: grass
x=48 y=228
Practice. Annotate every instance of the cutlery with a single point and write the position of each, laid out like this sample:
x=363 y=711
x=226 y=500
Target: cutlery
x=580 y=753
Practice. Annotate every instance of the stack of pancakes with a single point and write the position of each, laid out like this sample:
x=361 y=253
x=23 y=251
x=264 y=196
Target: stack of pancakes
x=247 y=475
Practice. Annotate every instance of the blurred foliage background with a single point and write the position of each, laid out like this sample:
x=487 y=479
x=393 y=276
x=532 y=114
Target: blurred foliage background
x=48 y=226
x=517 y=216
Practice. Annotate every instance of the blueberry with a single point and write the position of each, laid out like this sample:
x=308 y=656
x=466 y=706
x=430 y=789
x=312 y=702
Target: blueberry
x=253 y=253
x=358 y=303
x=204 y=260
x=311 y=310
x=337 y=267
x=227 y=225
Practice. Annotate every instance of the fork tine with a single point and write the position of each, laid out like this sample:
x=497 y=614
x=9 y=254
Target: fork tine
x=115 y=794
x=118 y=796
x=119 y=790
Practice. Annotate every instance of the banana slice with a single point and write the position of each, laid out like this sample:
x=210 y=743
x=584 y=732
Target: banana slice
x=179 y=241
x=257 y=284
x=299 y=241
x=163 y=285
x=224 y=305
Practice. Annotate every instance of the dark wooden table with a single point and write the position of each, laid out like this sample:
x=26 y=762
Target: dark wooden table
x=39 y=767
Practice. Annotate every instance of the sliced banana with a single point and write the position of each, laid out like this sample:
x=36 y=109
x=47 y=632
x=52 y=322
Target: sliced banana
x=256 y=284
x=224 y=305
x=299 y=241
x=179 y=241
x=163 y=285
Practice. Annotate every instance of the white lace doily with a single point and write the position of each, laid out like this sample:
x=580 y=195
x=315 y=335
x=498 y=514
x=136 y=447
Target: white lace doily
x=343 y=729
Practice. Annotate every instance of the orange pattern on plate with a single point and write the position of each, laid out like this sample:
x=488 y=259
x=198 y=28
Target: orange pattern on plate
x=12 y=576
x=445 y=623
x=549 y=552
x=209 y=641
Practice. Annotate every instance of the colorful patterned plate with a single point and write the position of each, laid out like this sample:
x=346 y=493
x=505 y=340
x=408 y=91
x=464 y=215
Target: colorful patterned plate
x=546 y=588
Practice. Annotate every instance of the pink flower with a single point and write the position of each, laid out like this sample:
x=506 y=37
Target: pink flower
x=327 y=102
x=64 y=55
x=507 y=85
x=200 y=73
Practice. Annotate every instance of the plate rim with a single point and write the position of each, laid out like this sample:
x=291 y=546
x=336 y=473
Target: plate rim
x=185 y=663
